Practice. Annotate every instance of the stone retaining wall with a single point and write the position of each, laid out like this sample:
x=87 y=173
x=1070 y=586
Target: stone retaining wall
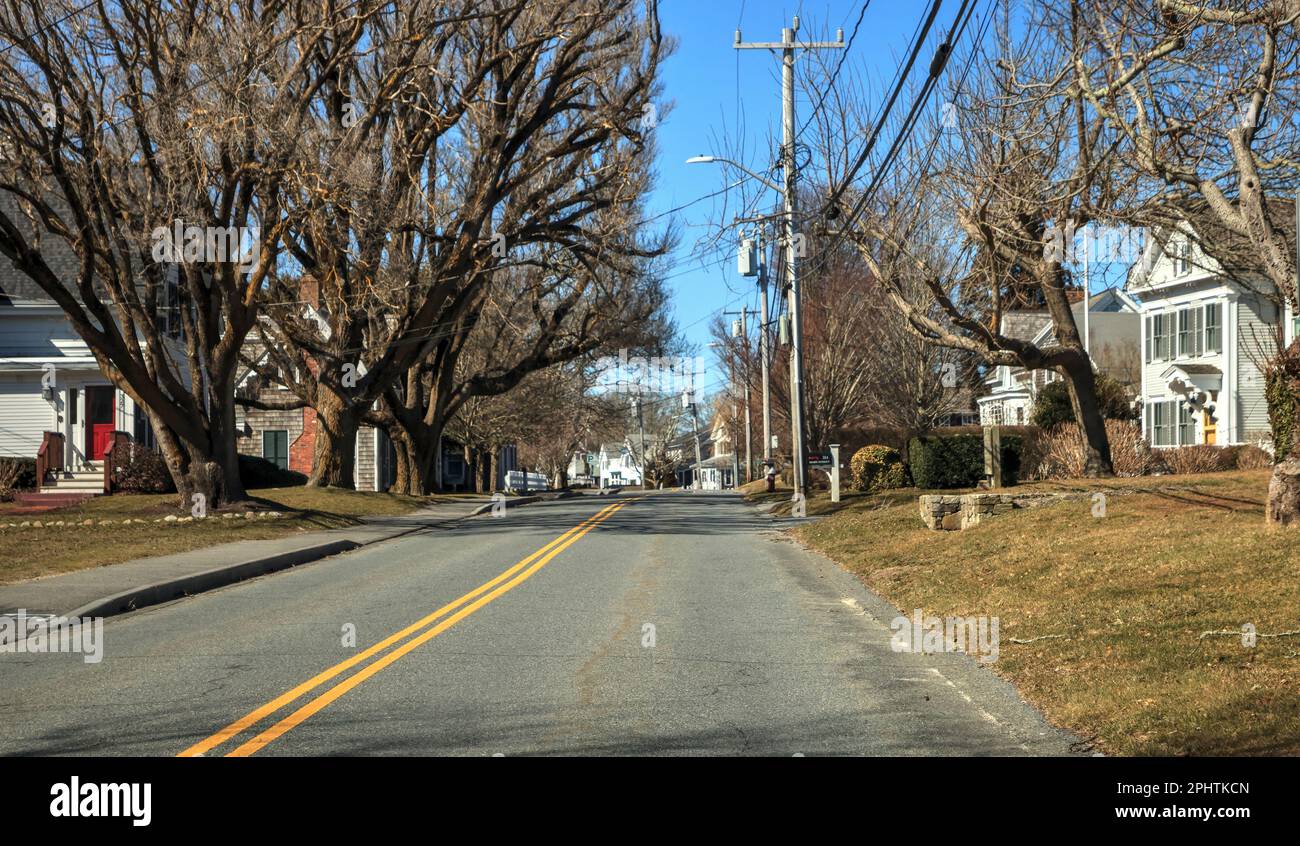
x=954 y=512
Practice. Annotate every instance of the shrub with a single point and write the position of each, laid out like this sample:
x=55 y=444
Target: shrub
x=1062 y=452
x=1052 y=405
x=957 y=461
x=257 y=472
x=140 y=470
x=1202 y=458
x=878 y=468
x=1251 y=457
x=16 y=474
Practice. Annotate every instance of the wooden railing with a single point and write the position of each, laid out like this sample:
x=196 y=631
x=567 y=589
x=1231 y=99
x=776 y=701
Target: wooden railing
x=49 y=458
x=117 y=442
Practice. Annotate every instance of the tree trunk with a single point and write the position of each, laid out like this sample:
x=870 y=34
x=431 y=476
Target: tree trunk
x=336 y=442
x=415 y=449
x=1082 y=386
x=194 y=470
x=488 y=481
x=1282 y=390
x=225 y=450
x=1284 y=493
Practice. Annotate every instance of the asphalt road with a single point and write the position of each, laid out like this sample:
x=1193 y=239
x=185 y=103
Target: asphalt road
x=672 y=623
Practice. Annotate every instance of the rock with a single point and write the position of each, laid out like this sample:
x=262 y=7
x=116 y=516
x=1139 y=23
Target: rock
x=171 y=518
x=186 y=520
x=248 y=515
x=25 y=524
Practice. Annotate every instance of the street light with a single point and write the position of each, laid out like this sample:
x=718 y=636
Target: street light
x=738 y=166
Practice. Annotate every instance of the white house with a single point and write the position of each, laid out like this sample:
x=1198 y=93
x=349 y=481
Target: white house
x=1113 y=345
x=1206 y=338
x=617 y=465
x=50 y=382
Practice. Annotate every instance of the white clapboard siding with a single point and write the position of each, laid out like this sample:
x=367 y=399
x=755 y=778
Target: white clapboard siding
x=26 y=335
x=24 y=416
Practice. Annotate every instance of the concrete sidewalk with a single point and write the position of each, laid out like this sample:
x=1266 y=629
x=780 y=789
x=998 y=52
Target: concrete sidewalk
x=118 y=588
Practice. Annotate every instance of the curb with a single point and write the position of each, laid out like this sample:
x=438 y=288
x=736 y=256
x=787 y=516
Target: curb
x=143 y=596
x=510 y=502
x=165 y=591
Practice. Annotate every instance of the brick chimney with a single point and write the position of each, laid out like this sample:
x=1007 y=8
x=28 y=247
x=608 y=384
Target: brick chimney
x=309 y=290
x=302 y=452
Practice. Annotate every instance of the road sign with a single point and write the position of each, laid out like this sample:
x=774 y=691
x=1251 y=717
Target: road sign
x=820 y=460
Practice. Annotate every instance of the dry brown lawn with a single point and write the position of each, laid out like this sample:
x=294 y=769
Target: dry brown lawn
x=1121 y=601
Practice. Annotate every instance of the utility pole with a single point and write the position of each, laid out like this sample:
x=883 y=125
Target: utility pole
x=640 y=424
x=787 y=45
x=695 y=423
x=744 y=335
x=1087 y=294
x=749 y=437
x=763 y=352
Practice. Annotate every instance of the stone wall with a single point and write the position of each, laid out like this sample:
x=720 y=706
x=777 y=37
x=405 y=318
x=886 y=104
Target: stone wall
x=953 y=512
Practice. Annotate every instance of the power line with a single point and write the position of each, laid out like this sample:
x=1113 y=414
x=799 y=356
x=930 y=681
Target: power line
x=830 y=82
x=889 y=105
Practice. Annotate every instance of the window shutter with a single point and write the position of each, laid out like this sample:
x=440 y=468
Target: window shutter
x=1198 y=325
x=1148 y=340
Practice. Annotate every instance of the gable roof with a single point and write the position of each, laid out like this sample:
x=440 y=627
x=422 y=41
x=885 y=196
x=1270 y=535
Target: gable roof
x=1234 y=254
x=1024 y=325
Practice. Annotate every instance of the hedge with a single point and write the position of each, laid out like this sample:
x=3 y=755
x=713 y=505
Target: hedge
x=256 y=472
x=957 y=461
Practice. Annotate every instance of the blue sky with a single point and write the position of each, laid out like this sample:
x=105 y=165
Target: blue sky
x=712 y=107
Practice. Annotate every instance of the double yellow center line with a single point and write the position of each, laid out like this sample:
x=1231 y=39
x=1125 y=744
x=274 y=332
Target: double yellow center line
x=424 y=629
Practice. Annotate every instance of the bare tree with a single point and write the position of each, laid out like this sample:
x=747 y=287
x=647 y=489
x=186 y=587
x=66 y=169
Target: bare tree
x=1021 y=161
x=1204 y=97
x=508 y=151
x=120 y=121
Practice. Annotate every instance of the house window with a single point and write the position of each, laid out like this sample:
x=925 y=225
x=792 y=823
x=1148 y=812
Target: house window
x=1161 y=423
x=1189 y=332
x=1213 y=324
x=1186 y=425
x=1162 y=330
x=1182 y=257
x=72 y=406
x=275 y=447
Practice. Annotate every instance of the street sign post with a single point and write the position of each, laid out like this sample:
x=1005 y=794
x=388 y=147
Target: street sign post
x=835 y=472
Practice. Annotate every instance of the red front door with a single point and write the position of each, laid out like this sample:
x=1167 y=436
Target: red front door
x=100 y=411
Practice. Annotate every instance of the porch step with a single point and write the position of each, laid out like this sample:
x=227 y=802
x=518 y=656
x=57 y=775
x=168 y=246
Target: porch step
x=76 y=481
x=45 y=500
x=75 y=485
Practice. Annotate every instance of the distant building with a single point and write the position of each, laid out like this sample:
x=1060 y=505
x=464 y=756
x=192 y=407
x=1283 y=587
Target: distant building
x=1113 y=345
